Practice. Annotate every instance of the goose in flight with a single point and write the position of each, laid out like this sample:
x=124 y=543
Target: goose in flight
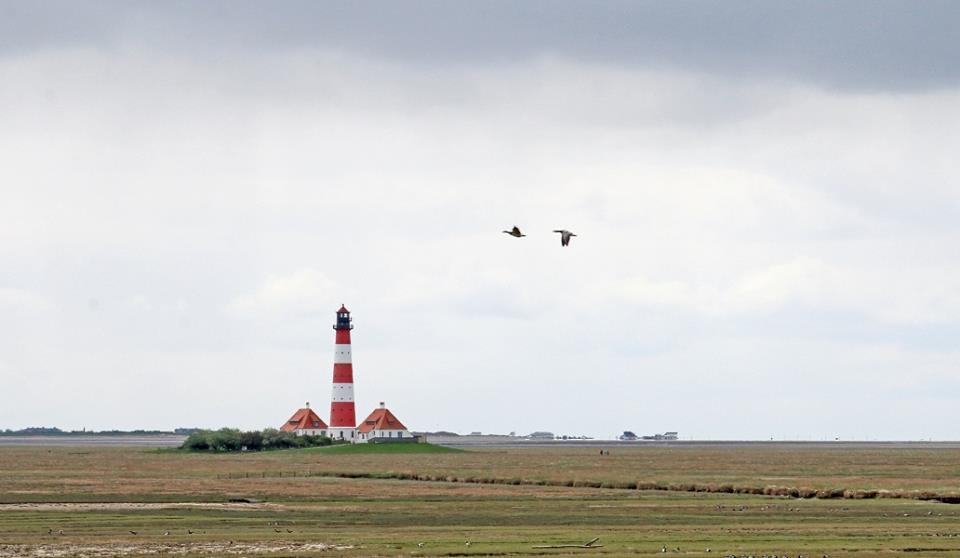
x=515 y=231
x=564 y=236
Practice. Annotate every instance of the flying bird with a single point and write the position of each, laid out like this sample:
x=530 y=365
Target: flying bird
x=515 y=231
x=564 y=236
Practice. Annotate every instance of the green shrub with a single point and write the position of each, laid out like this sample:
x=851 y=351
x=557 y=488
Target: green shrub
x=196 y=441
x=232 y=439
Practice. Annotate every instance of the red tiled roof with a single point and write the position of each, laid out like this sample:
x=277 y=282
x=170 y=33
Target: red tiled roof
x=304 y=419
x=380 y=419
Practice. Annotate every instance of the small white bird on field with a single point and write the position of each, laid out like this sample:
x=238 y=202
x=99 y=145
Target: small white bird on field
x=564 y=236
x=419 y=545
x=515 y=232
x=468 y=543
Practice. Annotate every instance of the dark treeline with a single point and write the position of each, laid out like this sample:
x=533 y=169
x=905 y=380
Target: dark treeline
x=232 y=439
x=53 y=431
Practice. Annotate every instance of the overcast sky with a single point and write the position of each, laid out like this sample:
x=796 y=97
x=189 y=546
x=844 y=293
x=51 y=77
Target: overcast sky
x=766 y=198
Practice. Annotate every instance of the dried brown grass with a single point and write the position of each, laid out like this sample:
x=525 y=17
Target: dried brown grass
x=101 y=474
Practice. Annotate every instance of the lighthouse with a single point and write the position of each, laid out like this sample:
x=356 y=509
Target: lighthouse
x=343 y=419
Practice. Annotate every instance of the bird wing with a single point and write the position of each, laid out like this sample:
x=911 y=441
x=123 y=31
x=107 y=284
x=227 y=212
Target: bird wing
x=516 y=229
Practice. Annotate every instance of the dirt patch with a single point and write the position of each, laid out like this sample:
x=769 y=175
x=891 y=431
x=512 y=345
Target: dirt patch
x=97 y=551
x=119 y=506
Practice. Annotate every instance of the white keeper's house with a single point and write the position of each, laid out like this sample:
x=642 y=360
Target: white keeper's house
x=382 y=425
x=305 y=422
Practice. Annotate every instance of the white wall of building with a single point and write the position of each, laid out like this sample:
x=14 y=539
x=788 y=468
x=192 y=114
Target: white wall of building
x=349 y=434
x=311 y=432
x=388 y=434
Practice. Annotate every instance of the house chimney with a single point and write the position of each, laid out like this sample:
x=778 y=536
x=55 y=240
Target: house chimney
x=382 y=406
x=308 y=404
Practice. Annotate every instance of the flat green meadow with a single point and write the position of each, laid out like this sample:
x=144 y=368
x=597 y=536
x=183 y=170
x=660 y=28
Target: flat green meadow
x=425 y=500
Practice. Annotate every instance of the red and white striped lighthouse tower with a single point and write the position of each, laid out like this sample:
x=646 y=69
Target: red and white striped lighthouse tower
x=343 y=418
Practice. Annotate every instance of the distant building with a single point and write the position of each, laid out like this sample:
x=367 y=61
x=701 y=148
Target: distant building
x=666 y=436
x=541 y=436
x=382 y=426
x=305 y=422
x=628 y=436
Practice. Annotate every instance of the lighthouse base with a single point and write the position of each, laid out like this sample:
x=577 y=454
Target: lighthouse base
x=346 y=433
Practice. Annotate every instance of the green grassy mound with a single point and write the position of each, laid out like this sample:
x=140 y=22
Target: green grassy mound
x=384 y=448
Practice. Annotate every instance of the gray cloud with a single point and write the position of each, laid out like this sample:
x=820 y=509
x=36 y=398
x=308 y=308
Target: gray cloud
x=870 y=45
x=188 y=195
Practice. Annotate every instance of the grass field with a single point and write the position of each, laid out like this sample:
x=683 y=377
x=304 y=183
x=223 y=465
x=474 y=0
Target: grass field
x=282 y=504
x=380 y=449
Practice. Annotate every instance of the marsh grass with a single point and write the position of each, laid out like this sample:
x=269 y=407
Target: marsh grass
x=384 y=448
x=503 y=501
